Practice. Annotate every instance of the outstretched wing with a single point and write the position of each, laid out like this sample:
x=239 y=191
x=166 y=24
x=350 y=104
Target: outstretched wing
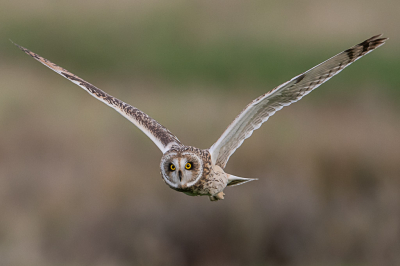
x=161 y=136
x=260 y=109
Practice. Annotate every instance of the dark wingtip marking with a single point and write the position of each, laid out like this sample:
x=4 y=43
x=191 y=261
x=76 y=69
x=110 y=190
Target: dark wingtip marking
x=376 y=39
x=367 y=45
x=372 y=43
x=350 y=53
x=299 y=78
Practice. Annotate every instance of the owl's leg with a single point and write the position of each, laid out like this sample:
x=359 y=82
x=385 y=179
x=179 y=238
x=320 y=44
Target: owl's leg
x=219 y=196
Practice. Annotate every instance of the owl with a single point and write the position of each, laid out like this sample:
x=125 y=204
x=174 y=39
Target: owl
x=200 y=172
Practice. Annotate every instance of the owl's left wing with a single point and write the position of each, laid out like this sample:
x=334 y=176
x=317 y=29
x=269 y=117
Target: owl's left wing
x=161 y=136
x=259 y=110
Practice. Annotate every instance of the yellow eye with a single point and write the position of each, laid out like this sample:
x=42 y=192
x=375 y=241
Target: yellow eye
x=188 y=166
x=172 y=167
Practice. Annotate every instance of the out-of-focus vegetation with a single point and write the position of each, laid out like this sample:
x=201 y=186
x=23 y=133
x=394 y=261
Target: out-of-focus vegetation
x=80 y=185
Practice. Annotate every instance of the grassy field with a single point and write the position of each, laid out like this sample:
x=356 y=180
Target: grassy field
x=80 y=185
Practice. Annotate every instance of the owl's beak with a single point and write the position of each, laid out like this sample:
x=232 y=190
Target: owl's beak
x=182 y=184
x=180 y=175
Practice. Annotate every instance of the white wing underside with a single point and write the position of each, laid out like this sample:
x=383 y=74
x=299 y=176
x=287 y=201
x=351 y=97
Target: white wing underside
x=161 y=136
x=260 y=109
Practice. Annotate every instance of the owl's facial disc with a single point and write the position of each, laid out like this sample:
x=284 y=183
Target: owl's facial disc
x=181 y=170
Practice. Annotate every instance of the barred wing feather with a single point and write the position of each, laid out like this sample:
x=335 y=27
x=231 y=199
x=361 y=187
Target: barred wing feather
x=260 y=109
x=161 y=136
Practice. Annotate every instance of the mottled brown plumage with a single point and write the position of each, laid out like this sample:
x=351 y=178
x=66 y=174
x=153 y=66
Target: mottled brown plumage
x=161 y=136
x=263 y=107
x=199 y=172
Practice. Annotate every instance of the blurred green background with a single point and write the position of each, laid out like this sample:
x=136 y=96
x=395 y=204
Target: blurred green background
x=80 y=185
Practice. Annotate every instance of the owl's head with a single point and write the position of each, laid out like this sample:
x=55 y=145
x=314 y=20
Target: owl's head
x=182 y=167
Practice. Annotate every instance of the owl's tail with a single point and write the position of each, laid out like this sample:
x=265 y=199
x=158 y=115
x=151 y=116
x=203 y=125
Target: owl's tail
x=235 y=180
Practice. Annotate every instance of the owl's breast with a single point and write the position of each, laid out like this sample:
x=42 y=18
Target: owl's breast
x=211 y=183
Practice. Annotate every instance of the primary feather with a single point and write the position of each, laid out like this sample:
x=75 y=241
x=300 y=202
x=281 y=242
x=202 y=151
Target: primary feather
x=161 y=136
x=260 y=109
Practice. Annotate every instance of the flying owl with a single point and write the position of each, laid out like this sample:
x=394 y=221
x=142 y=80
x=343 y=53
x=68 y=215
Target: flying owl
x=198 y=172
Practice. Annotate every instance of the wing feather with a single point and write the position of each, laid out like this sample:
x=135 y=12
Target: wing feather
x=260 y=109
x=161 y=136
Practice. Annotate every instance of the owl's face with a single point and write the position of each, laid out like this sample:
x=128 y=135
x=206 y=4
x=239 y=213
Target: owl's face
x=181 y=169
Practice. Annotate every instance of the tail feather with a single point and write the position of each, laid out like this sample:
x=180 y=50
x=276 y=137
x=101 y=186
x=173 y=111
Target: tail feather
x=236 y=180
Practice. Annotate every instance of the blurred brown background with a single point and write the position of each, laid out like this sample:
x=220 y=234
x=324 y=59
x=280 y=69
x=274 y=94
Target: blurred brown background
x=80 y=185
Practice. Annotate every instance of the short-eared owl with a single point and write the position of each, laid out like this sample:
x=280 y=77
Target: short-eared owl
x=200 y=172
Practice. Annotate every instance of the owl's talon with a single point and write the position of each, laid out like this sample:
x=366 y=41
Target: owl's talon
x=219 y=196
x=196 y=171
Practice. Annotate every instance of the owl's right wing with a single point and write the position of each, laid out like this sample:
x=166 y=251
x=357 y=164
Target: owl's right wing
x=259 y=110
x=161 y=136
